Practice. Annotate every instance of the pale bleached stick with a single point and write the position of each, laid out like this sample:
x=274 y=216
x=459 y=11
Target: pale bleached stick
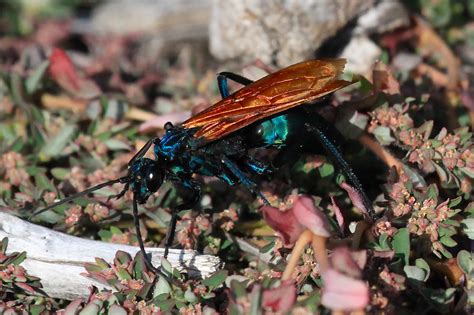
x=58 y=258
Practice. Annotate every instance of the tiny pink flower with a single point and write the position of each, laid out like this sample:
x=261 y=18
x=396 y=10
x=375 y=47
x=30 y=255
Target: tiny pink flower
x=73 y=215
x=394 y=280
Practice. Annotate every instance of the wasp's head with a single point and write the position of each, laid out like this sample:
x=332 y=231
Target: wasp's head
x=145 y=178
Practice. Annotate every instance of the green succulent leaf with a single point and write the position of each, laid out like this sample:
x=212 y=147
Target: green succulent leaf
x=415 y=273
x=4 y=245
x=190 y=296
x=401 y=244
x=237 y=288
x=468 y=227
x=32 y=83
x=448 y=241
x=54 y=146
x=215 y=280
x=421 y=263
x=465 y=261
x=327 y=169
x=90 y=309
x=162 y=287
x=117 y=310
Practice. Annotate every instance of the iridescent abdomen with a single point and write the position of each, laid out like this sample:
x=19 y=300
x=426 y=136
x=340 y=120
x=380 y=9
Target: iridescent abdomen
x=276 y=131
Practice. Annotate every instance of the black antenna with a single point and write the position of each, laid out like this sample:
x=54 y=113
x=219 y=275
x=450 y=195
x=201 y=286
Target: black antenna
x=136 y=221
x=80 y=194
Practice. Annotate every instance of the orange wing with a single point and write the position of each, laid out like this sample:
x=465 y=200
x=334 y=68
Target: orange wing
x=275 y=93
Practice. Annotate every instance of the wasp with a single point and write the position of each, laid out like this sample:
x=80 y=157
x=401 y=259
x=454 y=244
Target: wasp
x=219 y=141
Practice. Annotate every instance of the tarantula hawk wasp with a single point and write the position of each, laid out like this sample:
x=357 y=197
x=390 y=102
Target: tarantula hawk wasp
x=216 y=142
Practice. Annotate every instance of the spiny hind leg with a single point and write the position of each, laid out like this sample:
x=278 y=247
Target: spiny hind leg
x=336 y=156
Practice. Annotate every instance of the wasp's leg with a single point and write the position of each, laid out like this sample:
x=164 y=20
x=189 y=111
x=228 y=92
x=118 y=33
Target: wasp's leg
x=227 y=177
x=120 y=194
x=336 y=155
x=143 y=150
x=257 y=166
x=195 y=189
x=222 y=82
x=247 y=182
x=140 y=241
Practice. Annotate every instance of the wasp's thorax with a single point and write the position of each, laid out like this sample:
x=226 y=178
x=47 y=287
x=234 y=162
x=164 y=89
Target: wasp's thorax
x=146 y=178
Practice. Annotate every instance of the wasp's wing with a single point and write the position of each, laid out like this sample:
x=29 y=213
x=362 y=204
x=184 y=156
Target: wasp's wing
x=277 y=92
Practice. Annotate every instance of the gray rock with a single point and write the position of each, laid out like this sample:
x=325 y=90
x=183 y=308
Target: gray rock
x=280 y=32
x=384 y=16
x=361 y=54
x=283 y=32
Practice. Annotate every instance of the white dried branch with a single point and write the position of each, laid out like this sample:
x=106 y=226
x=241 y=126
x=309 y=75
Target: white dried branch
x=58 y=258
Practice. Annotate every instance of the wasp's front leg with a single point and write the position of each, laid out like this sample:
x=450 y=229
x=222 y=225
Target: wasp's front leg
x=141 y=153
x=194 y=190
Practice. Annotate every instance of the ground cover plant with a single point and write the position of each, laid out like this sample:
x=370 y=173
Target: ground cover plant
x=74 y=110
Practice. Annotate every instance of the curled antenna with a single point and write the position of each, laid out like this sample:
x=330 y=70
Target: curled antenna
x=124 y=179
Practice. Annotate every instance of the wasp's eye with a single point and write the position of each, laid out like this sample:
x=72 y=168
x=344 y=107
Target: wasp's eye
x=153 y=180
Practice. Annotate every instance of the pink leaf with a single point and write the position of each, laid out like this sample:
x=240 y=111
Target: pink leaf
x=467 y=98
x=310 y=216
x=342 y=260
x=356 y=197
x=338 y=214
x=360 y=258
x=343 y=293
x=291 y=223
x=73 y=307
x=25 y=287
x=284 y=222
x=280 y=299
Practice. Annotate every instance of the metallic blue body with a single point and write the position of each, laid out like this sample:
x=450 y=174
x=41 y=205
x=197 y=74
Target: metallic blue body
x=221 y=159
x=179 y=155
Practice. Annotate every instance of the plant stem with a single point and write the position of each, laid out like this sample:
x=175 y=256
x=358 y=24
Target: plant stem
x=382 y=153
x=300 y=244
x=320 y=253
x=359 y=231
